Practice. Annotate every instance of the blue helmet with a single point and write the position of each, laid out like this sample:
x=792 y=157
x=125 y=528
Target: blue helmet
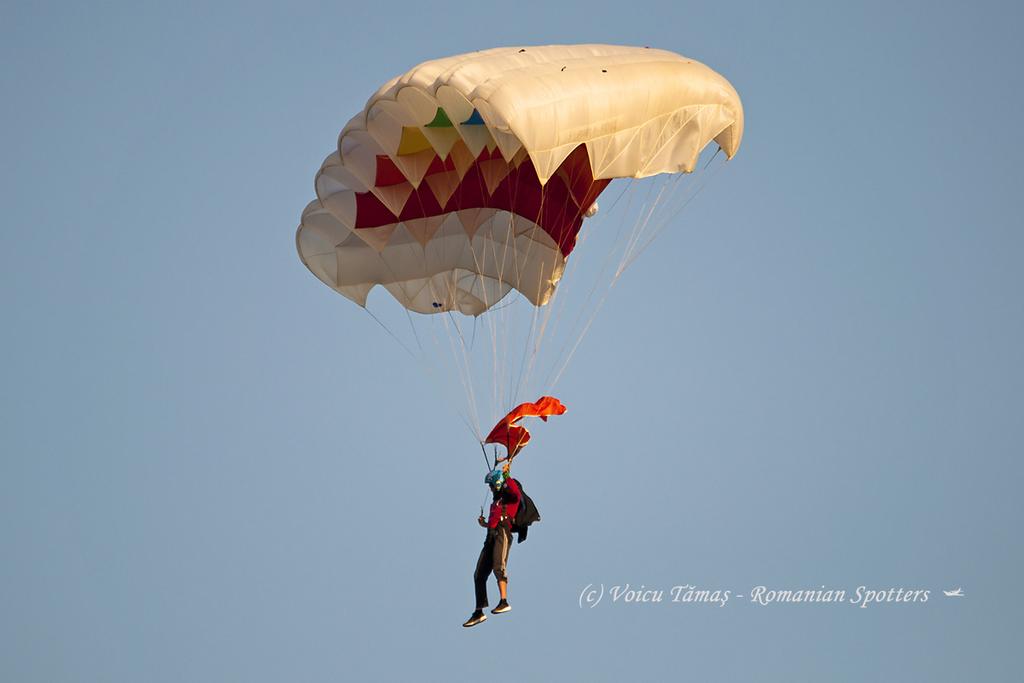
x=496 y=478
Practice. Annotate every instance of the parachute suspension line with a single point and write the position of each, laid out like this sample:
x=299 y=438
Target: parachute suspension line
x=392 y=334
x=604 y=267
x=523 y=368
x=558 y=301
x=510 y=250
x=474 y=432
x=512 y=299
x=401 y=286
x=500 y=342
x=646 y=237
x=579 y=339
x=634 y=233
x=462 y=356
x=593 y=289
x=515 y=375
x=514 y=389
x=496 y=323
x=713 y=157
x=632 y=253
x=638 y=230
x=467 y=409
x=462 y=346
x=424 y=359
x=567 y=271
x=487 y=463
x=675 y=211
x=491 y=318
x=420 y=250
x=418 y=360
x=465 y=370
x=466 y=379
x=500 y=318
x=677 y=202
x=489 y=322
x=523 y=371
x=464 y=411
x=415 y=334
x=536 y=337
x=626 y=186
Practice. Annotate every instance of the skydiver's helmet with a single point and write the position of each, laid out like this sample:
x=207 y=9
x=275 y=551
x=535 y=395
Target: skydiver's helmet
x=496 y=478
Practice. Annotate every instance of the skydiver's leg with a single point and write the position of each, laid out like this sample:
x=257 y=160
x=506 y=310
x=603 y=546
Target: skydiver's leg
x=483 y=568
x=502 y=544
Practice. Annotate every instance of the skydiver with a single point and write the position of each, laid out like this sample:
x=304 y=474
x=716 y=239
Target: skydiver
x=497 y=542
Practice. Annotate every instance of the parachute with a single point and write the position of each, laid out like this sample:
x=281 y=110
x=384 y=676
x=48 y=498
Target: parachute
x=470 y=177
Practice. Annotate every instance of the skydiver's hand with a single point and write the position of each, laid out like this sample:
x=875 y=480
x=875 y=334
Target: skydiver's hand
x=481 y=521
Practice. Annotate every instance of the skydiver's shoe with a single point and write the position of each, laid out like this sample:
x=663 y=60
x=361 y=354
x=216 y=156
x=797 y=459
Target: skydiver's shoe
x=502 y=606
x=475 y=618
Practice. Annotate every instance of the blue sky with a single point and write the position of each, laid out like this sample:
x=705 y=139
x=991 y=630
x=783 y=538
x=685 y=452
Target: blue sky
x=214 y=468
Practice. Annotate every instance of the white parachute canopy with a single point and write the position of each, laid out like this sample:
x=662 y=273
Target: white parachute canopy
x=469 y=178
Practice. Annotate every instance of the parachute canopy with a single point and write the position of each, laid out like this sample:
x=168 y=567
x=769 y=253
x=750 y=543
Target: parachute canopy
x=471 y=176
x=514 y=436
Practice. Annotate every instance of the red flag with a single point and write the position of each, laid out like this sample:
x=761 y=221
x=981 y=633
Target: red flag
x=514 y=436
